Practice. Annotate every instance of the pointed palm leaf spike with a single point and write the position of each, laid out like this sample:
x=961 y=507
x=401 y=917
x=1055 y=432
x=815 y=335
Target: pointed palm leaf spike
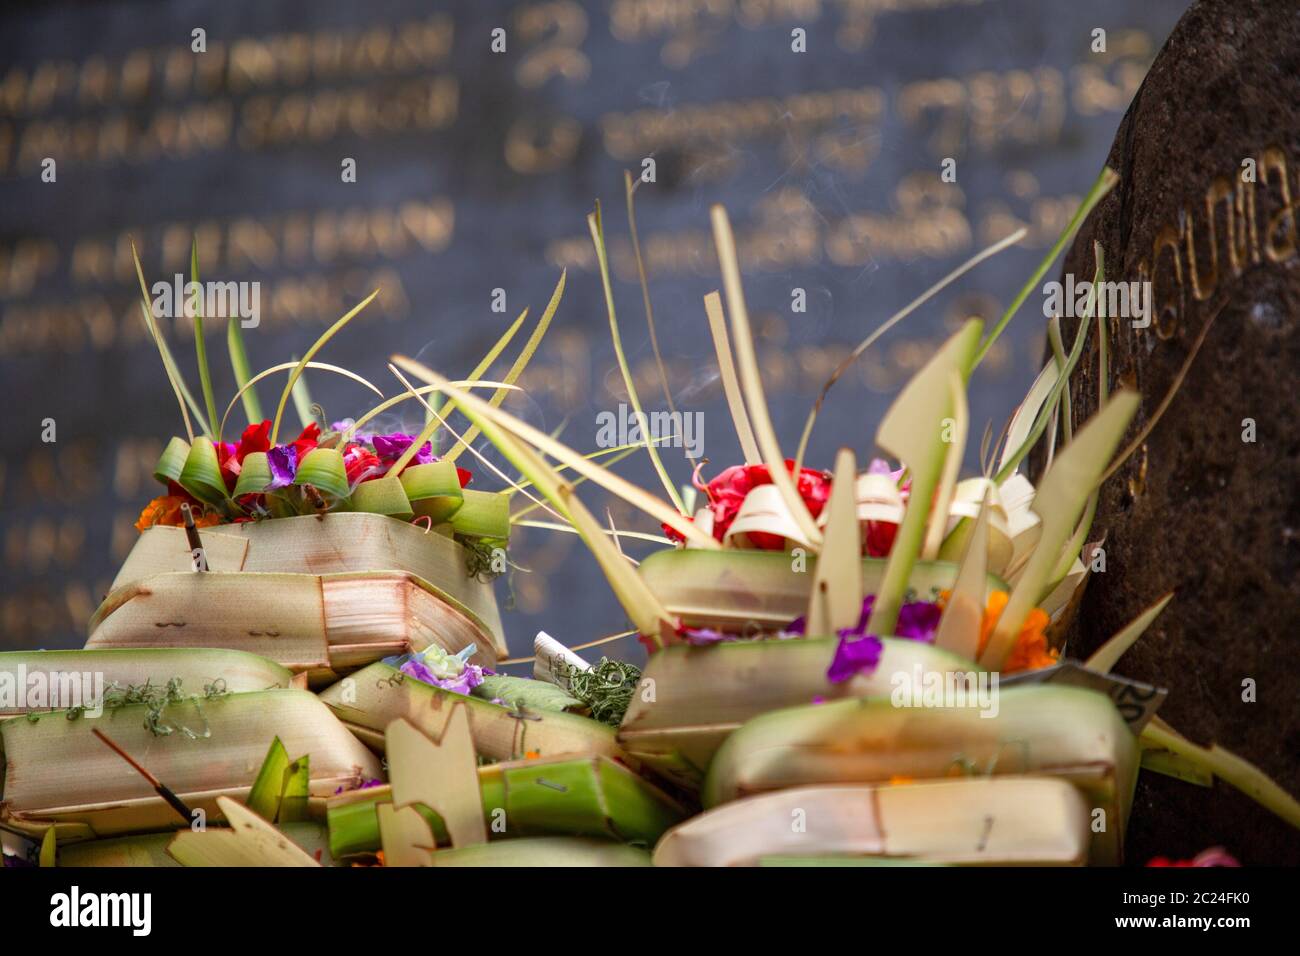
x=1058 y=502
x=404 y=836
x=912 y=431
x=953 y=431
x=1108 y=655
x=268 y=788
x=752 y=381
x=441 y=775
x=629 y=492
x=520 y=363
x=836 y=601
x=598 y=239
x=1227 y=766
x=727 y=372
x=959 y=628
x=250 y=841
x=642 y=607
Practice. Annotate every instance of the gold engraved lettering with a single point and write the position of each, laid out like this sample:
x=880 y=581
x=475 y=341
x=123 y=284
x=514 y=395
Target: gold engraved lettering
x=532 y=147
x=1279 y=243
x=1167 y=314
x=554 y=32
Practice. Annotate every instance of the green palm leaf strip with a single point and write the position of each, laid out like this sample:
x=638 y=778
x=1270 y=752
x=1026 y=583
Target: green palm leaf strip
x=1105 y=182
x=200 y=345
x=284 y=366
x=1011 y=460
x=311 y=353
x=240 y=367
x=598 y=238
x=893 y=320
x=302 y=400
x=183 y=396
x=521 y=363
x=485 y=363
x=430 y=410
x=642 y=607
x=637 y=497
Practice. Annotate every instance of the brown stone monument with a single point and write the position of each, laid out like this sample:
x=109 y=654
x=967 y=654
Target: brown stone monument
x=1208 y=212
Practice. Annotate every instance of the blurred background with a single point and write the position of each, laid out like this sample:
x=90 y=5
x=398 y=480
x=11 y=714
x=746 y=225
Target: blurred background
x=474 y=172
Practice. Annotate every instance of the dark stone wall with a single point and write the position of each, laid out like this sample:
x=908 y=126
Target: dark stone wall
x=1201 y=508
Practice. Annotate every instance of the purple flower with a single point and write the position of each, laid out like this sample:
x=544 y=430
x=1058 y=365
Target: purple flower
x=879 y=466
x=704 y=637
x=391 y=447
x=283 y=461
x=854 y=656
x=366 y=784
x=917 y=620
x=462 y=683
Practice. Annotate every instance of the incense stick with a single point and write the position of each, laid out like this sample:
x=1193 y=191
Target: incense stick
x=173 y=801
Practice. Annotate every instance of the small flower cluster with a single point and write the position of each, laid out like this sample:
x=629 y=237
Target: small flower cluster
x=727 y=493
x=365 y=458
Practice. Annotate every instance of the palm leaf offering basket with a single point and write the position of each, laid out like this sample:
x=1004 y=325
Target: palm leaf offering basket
x=299 y=660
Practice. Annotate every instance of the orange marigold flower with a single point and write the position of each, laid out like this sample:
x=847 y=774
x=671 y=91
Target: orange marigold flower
x=166 y=510
x=1030 y=650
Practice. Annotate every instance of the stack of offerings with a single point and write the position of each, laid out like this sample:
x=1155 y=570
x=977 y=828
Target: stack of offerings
x=866 y=666
x=350 y=561
x=847 y=667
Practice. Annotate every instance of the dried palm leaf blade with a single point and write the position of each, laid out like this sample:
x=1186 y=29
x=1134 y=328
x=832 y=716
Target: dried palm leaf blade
x=999 y=821
x=150 y=849
x=58 y=680
x=337 y=543
x=249 y=841
x=322 y=625
x=370 y=699
x=439 y=774
x=57 y=773
x=690 y=699
x=1066 y=732
x=739 y=590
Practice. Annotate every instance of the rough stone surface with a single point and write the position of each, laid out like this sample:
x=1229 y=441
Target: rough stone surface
x=1198 y=510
